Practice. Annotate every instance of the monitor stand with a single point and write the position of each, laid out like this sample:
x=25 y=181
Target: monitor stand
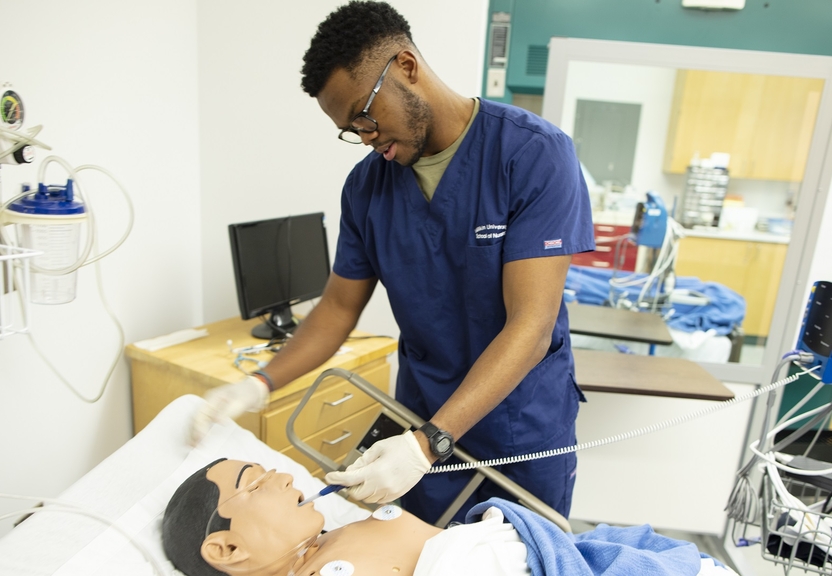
x=277 y=327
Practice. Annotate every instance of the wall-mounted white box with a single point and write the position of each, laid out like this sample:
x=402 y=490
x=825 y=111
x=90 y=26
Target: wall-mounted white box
x=714 y=4
x=496 y=83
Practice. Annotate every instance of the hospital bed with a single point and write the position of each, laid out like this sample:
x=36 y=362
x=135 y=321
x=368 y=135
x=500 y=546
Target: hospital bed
x=132 y=487
x=134 y=484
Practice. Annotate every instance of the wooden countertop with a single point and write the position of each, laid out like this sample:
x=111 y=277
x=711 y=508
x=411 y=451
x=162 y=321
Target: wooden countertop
x=209 y=360
x=602 y=371
x=617 y=323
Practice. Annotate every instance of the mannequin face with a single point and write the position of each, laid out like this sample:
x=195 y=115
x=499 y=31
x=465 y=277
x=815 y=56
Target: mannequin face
x=266 y=521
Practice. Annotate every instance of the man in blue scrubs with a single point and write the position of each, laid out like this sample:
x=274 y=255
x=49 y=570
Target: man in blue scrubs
x=468 y=212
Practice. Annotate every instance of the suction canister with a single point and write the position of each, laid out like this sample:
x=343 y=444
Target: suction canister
x=49 y=221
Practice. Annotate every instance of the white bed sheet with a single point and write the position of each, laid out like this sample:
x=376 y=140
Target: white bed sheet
x=132 y=487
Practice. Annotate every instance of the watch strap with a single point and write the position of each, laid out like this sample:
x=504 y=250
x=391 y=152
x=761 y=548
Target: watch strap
x=430 y=429
x=435 y=435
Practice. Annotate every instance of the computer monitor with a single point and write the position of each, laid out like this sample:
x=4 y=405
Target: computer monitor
x=278 y=263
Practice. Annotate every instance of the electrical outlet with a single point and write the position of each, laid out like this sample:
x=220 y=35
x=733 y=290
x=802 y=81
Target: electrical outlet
x=496 y=83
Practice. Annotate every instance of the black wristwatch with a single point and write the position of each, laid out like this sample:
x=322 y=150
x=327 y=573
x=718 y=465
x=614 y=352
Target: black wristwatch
x=441 y=442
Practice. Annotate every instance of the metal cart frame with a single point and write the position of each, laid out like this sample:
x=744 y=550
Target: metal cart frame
x=405 y=416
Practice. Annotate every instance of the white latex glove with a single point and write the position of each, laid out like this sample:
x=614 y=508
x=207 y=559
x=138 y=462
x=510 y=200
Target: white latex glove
x=229 y=401
x=388 y=469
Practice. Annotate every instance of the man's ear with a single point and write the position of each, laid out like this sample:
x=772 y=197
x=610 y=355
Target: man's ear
x=409 y=63
x=223 y=549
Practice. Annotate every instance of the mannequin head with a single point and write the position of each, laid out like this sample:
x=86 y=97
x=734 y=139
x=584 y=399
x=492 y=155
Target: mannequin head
x=234 y=517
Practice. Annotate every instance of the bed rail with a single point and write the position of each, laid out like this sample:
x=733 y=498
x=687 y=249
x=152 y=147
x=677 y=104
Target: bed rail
x=405 y=416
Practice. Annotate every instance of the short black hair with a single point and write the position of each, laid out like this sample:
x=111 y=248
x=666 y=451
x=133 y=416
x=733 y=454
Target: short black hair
x=345 y=37
x=186 y=518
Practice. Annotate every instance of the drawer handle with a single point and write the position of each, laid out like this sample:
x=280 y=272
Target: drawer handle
x=346 y=397
x=340 y=438
x=599 y=264
x=603 y=248
x=604 y=228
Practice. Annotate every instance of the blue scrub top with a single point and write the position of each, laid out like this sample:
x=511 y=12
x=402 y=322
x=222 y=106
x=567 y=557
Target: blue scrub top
x=513 y=190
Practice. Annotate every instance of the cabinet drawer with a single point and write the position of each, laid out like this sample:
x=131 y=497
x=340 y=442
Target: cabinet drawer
x=337 y=440
x=607 y=230
x=604 y=254
x=334 y=400
x=592 y=259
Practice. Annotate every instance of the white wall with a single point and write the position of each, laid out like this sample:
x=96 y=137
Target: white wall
x=677 y=478
x=822 y=263
x=267 y=148
x=114 y=84
x=197 y=109
x=649 y=86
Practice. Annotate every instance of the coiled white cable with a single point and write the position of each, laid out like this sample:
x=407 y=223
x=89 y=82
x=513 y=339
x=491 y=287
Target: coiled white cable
x=618 y=437
x=91 y=246
x=743 y=502
x=770 y=458
x=67 y=507
x=116 y=357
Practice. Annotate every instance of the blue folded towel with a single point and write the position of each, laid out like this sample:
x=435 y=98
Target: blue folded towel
x=607 y=550
x=725 y=309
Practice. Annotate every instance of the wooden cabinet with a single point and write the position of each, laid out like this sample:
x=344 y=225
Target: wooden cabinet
x=764 y=122
x=751 y=269
x=332 y=421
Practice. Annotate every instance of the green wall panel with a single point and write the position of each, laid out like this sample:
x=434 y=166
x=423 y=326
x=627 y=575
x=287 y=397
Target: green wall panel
x=797 y=26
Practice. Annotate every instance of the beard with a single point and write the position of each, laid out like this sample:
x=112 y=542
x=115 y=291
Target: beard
x=419 y=120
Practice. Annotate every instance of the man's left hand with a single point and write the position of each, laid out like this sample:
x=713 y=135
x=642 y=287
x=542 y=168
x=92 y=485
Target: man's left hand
x=386 y=471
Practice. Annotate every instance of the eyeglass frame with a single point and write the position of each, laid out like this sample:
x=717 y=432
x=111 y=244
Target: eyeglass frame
x=365 y=111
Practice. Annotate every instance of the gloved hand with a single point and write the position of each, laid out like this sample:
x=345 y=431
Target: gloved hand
x=229 y=401
x=388 y=469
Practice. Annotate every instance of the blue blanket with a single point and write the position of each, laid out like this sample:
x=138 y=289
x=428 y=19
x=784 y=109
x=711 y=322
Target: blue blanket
x=607 y=550
x=725 y=310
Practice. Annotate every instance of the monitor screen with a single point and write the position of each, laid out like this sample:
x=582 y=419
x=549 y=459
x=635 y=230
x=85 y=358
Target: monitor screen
x=278 y=263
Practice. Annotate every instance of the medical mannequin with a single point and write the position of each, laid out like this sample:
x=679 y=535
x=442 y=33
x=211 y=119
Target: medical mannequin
x=468 y=212
x=266 y=526
x=235 y=518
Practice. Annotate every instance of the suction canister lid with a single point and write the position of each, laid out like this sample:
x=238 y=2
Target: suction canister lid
x=49 y=200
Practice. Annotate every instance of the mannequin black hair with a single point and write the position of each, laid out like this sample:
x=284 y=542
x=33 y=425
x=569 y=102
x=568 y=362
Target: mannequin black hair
x=186 y=517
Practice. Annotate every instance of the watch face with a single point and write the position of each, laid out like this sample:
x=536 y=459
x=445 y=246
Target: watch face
x=443 y=445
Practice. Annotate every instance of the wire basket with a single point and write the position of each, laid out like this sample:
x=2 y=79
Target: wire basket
x=12 y=257
x=797 y=536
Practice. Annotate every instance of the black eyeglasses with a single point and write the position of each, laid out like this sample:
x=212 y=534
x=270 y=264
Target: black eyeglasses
x=363 y=122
